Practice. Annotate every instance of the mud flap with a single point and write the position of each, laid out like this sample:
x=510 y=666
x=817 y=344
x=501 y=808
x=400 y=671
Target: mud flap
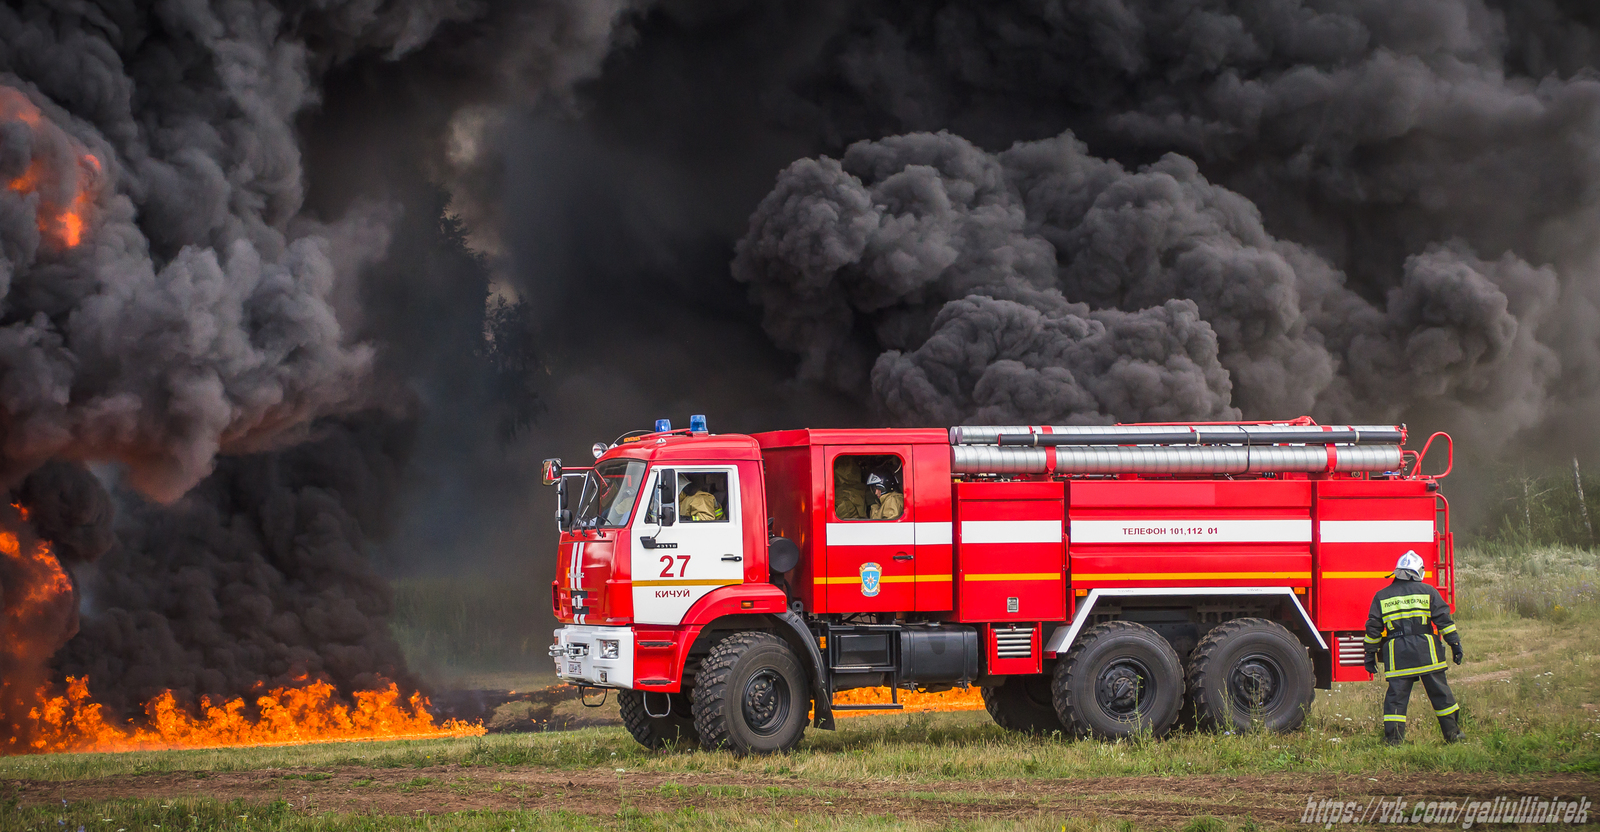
x=798 y=631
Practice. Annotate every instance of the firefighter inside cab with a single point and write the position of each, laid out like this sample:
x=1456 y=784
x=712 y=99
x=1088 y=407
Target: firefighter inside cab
x=697 y=501
x=1407 y=628
x=888 y=503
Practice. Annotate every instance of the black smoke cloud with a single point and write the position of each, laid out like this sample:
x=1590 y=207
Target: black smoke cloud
x=223 y=334
x=1045 y=284
x=1382 y=209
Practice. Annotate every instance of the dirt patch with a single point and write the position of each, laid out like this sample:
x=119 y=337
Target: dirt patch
x=1279 y=798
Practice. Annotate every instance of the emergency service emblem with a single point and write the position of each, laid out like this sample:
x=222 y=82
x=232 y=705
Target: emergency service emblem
x=871 y=578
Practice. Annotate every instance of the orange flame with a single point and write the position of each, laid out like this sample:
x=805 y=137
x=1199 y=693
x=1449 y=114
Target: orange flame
x=955 y=699
x=288 y=716
x=61 y=220
x=39 y=592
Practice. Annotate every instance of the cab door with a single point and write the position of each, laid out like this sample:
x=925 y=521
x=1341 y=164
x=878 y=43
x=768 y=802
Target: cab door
x=870 y=562
x=680 y=556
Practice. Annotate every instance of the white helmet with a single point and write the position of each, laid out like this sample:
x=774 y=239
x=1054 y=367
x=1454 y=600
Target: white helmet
x=875 y=481
x=1409 y=567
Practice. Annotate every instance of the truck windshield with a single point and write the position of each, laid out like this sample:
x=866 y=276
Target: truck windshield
x=609 y=492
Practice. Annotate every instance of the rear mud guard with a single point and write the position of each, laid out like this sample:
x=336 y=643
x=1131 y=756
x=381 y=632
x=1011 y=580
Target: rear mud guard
x=1061 y=640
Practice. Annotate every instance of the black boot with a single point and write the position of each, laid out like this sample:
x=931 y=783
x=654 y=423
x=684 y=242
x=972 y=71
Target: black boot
x=1394 y=733
x=1451 y=729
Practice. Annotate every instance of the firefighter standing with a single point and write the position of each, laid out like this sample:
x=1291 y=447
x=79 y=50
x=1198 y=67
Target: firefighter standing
x=890 y=504
x=1401 y=628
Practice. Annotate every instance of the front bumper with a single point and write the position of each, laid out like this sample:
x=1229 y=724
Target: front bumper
x=581 y=658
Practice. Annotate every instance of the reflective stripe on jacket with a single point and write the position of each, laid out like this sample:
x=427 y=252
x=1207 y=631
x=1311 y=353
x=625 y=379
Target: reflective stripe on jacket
x=1401 y=628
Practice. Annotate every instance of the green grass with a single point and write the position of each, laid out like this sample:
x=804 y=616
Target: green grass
x=201 y=815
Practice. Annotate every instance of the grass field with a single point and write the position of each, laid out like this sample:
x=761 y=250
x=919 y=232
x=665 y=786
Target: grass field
x=1530 y=692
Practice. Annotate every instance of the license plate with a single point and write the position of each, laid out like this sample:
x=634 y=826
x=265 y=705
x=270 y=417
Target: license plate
x=574 y=668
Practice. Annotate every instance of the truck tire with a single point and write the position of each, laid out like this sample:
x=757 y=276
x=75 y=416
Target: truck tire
x=1251 y=672
x=1120 y=679
x=658 y=732
x=1023 y=704
x=751 y=696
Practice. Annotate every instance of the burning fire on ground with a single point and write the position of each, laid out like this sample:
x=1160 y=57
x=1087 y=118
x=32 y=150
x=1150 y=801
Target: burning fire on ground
x=40 y=611
x=955 y=699
x=287 y=716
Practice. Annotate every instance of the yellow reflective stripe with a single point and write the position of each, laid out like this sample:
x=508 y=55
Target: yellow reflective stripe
x=692 y=582
x=886 y=579
x=1014 y=576
x=1448 y=630
x=1396 y=616
x=1415 y=601
x=1448 y=711
x=1354 y=575
x=1192 y=576
x=1394 y=717
x=1415 y=671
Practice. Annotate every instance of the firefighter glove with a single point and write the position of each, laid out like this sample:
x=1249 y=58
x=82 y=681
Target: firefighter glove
x=1455 y=653
x=1372 y=662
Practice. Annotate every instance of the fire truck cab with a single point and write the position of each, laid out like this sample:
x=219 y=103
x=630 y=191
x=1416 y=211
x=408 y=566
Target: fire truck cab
x=1099 y=581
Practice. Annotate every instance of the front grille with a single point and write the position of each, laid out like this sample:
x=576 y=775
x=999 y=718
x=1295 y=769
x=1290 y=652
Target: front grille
x=1014 y=644
x=1350 y=649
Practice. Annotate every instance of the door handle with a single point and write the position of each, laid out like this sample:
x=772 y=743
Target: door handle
x=902 y=556
x=732 y=557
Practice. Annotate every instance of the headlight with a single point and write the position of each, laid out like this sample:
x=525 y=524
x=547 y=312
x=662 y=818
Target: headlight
x=608 y=649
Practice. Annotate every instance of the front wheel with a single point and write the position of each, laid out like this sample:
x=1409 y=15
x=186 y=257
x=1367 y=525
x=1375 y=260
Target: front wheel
x=751 y=696
x=1120 y=679
x=656 y=732
x=1251 y=672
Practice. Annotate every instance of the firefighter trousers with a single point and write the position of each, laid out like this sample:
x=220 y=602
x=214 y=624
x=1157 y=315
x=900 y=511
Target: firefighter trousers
x=1399 y=696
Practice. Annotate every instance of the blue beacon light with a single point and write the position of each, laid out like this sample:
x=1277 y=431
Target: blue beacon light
x=697 y=424
x=663 y=425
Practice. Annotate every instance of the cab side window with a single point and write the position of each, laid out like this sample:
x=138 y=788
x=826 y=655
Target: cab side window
x=703 y=496
x=868 y=487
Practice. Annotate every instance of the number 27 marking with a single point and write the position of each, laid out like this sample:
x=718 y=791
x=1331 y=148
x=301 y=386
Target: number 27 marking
x=666 y=569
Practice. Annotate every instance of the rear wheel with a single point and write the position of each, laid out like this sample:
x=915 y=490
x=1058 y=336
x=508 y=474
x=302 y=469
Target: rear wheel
x=1119 y=679
x=751 y=696
x=1248 y=673
x=655 y=732
x=1023 y=703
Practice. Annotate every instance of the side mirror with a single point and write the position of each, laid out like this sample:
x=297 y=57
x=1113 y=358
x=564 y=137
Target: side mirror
x=667 y=496
x=783 y=554
x=552 y=471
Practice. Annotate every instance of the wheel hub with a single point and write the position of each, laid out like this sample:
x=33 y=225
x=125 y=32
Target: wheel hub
x=1122 y=688
x=766 y=702
x=1256 y=683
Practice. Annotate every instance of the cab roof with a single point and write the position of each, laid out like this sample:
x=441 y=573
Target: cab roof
x=673 y=447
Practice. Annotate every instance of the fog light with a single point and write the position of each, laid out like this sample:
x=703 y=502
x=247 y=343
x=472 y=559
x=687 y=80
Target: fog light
x=608 y=649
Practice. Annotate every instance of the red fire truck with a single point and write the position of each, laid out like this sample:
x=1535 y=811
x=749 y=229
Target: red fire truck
x=1096 y=580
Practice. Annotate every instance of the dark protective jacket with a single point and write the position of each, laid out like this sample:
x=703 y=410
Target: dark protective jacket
x=1401 y=628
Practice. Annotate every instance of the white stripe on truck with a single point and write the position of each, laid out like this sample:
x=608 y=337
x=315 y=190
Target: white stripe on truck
x=1010 y=531
x=1198 y=530
x=1377 y=531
